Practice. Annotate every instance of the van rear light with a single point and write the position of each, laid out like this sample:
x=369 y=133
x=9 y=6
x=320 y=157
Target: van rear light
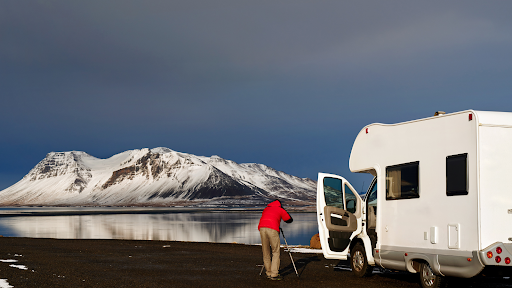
x=507 y=260
x=489 y=254
x=470 y=117
x=497 y=259
x=499 y=250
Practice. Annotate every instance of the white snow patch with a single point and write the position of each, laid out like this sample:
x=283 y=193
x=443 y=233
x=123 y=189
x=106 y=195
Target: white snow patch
x=161 y=150
x=22 y=267
x=343 y=268
x=5 y=284
x=306 y=250
x=8 y=260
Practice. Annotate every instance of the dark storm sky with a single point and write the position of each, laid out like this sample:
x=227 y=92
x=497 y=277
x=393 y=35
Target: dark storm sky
x=285 y=83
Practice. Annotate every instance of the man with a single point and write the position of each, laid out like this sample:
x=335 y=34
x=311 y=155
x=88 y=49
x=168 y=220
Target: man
x=269 y=225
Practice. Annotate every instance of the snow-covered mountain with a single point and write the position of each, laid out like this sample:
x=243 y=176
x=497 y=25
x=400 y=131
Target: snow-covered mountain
x=157 y=177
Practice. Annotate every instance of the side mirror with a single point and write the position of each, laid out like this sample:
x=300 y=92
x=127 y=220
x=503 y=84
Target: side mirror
x=351 y=206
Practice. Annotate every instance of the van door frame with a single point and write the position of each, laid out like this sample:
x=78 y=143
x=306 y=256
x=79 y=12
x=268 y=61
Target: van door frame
x=354 y=220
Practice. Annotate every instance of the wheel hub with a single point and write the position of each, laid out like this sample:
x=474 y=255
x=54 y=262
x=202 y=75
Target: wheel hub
x=358 y=260
x=428 y=277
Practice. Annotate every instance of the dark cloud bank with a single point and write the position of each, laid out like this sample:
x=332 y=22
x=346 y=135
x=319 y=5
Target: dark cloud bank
x=287 y=83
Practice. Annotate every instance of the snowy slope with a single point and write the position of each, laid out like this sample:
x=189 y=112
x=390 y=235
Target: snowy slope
x=159 y=176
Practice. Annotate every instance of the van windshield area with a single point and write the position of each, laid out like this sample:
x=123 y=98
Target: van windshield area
x=371 y=215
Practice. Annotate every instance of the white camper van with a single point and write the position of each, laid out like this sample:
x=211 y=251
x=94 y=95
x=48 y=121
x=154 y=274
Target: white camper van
x=440 y=203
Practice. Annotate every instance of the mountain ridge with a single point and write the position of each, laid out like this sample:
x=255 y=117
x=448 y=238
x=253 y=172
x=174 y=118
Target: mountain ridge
x=153 y=177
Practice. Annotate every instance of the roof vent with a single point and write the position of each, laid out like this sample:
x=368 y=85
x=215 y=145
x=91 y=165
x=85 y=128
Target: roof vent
x=439 y=113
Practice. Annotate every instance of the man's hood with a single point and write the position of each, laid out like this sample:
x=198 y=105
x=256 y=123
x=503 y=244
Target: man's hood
x=275 y=203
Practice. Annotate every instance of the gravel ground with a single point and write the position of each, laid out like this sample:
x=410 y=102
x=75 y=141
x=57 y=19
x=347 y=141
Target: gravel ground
x=130 y=263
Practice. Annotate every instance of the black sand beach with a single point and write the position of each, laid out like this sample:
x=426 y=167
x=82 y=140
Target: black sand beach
x=130 y=263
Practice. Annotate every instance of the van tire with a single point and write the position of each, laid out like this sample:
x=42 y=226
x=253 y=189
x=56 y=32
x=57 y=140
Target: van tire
x=359 y=262
x=428 y=279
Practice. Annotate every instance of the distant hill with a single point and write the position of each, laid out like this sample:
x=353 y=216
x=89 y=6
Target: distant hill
x=156 y=177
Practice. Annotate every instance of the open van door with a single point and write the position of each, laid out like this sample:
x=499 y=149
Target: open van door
x=339 y=215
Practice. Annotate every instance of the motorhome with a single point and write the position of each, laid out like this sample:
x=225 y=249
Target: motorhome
x=439 y=204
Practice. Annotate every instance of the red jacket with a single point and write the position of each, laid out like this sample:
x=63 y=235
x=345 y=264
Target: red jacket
x=272 y=215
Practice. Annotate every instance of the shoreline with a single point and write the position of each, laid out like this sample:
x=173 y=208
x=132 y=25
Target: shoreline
x=142 y=263
x=14 y=211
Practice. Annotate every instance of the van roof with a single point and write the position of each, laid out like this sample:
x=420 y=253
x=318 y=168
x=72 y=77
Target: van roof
x=488 y=118
x=494 y=118
x=362 y=149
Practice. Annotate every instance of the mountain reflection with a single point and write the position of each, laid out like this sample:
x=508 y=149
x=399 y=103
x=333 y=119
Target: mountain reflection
x=220 y=227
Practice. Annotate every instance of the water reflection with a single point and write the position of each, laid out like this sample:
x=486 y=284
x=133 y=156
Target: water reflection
x=221 y=227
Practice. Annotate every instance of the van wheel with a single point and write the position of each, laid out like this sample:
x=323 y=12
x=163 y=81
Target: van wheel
x=428 y=279
x=359 y=262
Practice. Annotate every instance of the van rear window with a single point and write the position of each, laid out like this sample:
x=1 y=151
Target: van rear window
x=457 y=175
x=402 y=181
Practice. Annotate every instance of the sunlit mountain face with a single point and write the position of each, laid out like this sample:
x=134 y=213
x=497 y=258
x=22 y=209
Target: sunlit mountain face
x=154 y=177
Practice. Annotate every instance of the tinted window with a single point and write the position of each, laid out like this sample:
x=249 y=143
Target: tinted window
x=350 y=199
x=457 y=175
x=402 y=181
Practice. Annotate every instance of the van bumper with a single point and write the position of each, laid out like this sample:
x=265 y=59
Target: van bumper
x=498 y=254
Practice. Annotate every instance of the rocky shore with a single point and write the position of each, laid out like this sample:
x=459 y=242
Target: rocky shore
x=28 y=262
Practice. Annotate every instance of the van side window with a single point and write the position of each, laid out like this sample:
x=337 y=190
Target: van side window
x=402 y=181
x=457 y=175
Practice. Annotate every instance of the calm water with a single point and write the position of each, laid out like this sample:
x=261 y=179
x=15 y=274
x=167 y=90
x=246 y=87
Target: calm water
x=214 y=226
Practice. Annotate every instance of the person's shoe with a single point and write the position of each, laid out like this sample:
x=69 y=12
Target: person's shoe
x=278 y=277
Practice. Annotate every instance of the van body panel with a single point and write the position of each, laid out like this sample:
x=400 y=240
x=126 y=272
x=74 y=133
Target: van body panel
x=392 y=259
x=460 y=266
x=495 y=188
x=455 y=265
x=428 y=141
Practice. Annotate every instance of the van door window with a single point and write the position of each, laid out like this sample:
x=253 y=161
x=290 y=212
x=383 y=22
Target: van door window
x=350 y=200
x=402 y=181
x=333 y=193
x=457 y=175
